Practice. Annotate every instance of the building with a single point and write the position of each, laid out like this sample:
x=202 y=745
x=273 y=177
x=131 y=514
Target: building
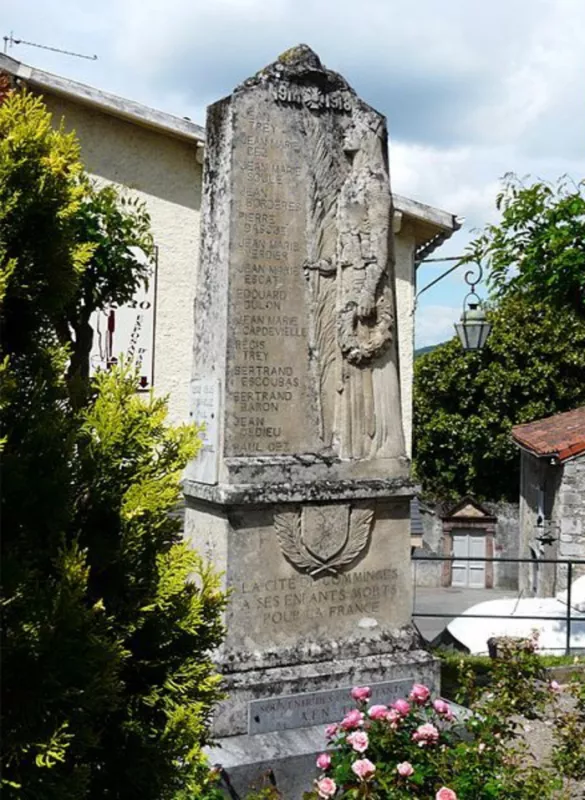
x=159 y=158
x=552 y=499
x=466 y=530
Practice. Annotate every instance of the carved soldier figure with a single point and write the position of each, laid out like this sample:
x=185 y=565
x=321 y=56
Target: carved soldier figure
x=364 y=303
x=352 y=301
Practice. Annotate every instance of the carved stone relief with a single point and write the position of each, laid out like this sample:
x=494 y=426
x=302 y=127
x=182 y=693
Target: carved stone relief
x=348 y=273
x=322 y=539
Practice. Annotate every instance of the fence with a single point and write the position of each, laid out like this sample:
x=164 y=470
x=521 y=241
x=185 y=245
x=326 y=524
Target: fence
x=568 y=617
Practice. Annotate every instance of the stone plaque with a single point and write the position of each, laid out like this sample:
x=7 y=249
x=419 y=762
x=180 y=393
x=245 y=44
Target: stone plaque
x=316 y=708
x=204 y=408
x=287 y=590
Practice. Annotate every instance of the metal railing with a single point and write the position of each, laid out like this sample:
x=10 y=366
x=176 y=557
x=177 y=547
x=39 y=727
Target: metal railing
x=567 y=617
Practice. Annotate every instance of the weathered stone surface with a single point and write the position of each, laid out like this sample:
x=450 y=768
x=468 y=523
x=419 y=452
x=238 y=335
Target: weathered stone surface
x=283 y=712
x=296 y=225
x=245 y=687
x=204 y=408
x=298 y=490
x=288 y=593
x=302 y=501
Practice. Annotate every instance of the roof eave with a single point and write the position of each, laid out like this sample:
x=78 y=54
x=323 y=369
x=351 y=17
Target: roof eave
x=104 y=101
x=443 y=224
x=558 y=456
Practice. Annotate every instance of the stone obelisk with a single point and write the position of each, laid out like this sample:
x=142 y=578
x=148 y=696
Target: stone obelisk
x=301 y=494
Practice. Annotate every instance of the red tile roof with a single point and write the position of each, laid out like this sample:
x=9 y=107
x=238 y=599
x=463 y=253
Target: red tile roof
x=562 y=435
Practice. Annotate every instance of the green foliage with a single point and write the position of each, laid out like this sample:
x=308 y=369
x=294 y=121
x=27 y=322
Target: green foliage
x=41 y=190
x=482 y=669
x=422 y=351
x=481 y=755
x=108 y=617
x=117 y=228
x=59 y=661
x=538 y=247
x=569 y=752
x=465 y=404
x=163 y=601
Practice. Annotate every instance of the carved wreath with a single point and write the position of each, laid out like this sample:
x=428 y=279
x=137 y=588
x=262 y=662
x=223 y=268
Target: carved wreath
x=288 y=528
x=352 y=348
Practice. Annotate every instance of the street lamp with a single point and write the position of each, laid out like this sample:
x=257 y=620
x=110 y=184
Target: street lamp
x=474 y=328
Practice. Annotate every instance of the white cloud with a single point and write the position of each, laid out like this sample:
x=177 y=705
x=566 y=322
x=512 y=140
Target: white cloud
x=434 y=324
x=471 y=90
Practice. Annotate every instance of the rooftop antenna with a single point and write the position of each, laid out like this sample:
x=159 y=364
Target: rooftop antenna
x=10 y=41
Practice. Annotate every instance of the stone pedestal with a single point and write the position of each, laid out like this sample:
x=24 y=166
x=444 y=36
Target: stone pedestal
x=301 y=494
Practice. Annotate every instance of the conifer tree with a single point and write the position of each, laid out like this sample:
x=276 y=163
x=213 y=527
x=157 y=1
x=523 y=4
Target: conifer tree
x=109 y=618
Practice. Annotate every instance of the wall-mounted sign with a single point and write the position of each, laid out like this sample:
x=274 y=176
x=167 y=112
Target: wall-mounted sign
x=204 y=408
x=128 y=331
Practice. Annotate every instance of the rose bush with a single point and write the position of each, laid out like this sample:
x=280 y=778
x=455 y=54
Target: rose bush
x=569 y=750
x=419 y=747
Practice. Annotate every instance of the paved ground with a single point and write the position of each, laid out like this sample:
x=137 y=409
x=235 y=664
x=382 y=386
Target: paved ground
x=450 y=601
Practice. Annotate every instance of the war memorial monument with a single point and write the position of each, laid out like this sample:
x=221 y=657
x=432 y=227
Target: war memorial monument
x=300 y=496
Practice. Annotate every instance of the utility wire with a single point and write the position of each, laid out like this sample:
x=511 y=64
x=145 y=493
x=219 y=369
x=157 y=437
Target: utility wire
x=11 y=40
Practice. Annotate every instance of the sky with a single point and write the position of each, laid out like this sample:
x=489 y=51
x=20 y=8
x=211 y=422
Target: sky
x=472 y=89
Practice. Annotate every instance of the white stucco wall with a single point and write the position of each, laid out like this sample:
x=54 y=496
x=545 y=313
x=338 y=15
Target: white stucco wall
x=404 y=244
x=164 y=172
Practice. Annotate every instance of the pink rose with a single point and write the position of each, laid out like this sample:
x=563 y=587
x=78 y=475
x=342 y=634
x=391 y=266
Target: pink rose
x=359 y=741
x=363 y=768
x=353 y=719
x=361 y=693
x=426 y=734
x=402 y=706
x=405 y=769
x=326 y=787
x=419 y=693
x=330 y=731
x=445 y=794
x=554 y=686
x=394 y=718
x=324 y=761
x=378 y=712
x=441 y=707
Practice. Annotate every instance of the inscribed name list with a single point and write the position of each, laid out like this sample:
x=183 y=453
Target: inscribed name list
x=269 y=381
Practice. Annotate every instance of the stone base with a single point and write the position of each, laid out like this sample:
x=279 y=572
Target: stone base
x=274 y=719
x=302 y=695
x=287 y=758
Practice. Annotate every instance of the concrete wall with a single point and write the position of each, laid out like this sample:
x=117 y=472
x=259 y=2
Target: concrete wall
x=428 y=573
x=163 y=171
x=558 y=490
x=569 y=518
x=404 y=270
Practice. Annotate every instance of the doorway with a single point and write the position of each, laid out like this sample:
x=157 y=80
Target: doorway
x=469 y=574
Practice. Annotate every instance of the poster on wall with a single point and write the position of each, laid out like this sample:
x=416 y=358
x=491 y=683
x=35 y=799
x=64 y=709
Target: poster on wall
x=127 y=332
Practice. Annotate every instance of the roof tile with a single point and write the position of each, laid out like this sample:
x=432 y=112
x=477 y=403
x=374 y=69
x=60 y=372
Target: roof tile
x=562 y=435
